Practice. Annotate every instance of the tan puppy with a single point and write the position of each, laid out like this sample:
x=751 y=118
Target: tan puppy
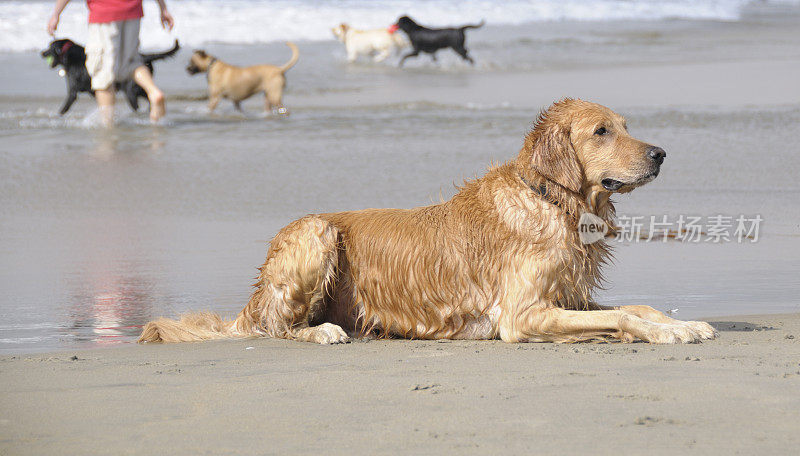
x=501 y=259
x=377 y=42
x=239 y=83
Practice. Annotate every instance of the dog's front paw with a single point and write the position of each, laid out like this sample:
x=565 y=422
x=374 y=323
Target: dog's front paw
x=328 y=333
x=661 y=333
x=703 y=329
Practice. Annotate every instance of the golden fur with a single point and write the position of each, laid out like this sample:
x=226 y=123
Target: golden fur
x=239 y=83
x=502 y=258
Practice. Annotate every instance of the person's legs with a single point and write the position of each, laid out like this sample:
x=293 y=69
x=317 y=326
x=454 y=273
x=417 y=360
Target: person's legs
x=100 y=60
x=131 y=65
x=105 y=104
x=143 y=77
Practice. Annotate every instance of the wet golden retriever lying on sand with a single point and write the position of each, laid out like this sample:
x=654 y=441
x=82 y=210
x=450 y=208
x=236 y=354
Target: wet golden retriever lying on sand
x=502 y=258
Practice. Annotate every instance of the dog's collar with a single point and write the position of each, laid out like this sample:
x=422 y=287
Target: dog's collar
x=208 y=70
x=65 y=47
x=541 y=190
x=213 y=61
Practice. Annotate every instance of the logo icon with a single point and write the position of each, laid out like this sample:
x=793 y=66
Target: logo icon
x=591 y=228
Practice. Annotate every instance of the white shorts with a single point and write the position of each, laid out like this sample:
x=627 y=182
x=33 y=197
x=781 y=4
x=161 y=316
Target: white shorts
x=112 y=52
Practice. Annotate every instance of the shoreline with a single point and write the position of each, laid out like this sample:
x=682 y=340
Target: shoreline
x=452 y=397
x=130 y=341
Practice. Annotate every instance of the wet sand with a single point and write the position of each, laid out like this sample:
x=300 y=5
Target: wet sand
x=102 y=231
x=735 y=395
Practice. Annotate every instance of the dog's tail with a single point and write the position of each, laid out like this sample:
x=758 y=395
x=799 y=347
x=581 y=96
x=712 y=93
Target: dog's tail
x=293 y=60
x=162 y=55
x=478 y=25
x=191 y=327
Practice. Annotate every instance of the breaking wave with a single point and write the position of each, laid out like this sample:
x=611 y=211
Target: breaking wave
x=22 y=23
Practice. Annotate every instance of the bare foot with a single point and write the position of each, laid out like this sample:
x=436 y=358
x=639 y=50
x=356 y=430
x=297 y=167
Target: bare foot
x=157 y=106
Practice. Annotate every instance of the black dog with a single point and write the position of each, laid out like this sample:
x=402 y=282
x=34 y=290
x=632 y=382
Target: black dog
x=72 y=57
x=431 y=40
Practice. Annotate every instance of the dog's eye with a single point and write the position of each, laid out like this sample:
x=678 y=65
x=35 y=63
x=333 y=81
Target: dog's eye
x=601 y=131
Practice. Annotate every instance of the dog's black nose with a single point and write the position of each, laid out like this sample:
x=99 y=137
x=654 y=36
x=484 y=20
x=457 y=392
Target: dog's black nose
x=657 y=154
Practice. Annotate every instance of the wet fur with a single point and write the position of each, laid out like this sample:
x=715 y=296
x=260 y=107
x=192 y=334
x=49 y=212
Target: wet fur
x=73 y=60
x=501 y=259
x=430 y=40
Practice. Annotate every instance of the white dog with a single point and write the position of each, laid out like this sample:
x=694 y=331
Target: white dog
x=380 y=42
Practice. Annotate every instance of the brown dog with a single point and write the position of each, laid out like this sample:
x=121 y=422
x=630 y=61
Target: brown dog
x=240 y=83
x=502 y=258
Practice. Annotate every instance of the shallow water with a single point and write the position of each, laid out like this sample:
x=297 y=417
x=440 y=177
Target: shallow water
x=104 y=230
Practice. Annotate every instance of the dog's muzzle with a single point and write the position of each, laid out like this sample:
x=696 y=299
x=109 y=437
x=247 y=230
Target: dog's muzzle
x=656 y=155
x=50 y=58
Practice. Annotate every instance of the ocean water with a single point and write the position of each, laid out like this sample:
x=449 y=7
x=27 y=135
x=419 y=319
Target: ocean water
x=200 y=22
x=102 y=230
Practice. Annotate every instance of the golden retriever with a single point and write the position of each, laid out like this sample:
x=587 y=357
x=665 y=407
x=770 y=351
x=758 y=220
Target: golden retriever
x=501 y=259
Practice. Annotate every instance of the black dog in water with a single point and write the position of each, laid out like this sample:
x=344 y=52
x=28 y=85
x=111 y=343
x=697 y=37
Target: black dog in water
x=431 y=40
x=72 y=57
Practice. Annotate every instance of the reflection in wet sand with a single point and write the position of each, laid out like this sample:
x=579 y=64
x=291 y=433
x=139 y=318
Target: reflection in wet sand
x=126 y=138
x=111 y=291
x=111 y=315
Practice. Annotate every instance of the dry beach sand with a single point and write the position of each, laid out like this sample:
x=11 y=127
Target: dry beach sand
x=739 y=394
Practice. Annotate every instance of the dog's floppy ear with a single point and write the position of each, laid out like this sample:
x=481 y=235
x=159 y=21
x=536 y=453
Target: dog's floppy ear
x=548 y=151
x=200 y=53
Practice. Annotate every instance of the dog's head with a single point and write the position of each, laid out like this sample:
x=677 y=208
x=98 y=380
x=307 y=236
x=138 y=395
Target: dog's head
x=586 y=148
x=340 y=31
x=199 y=62
x=405 y=24
x=56 y=53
